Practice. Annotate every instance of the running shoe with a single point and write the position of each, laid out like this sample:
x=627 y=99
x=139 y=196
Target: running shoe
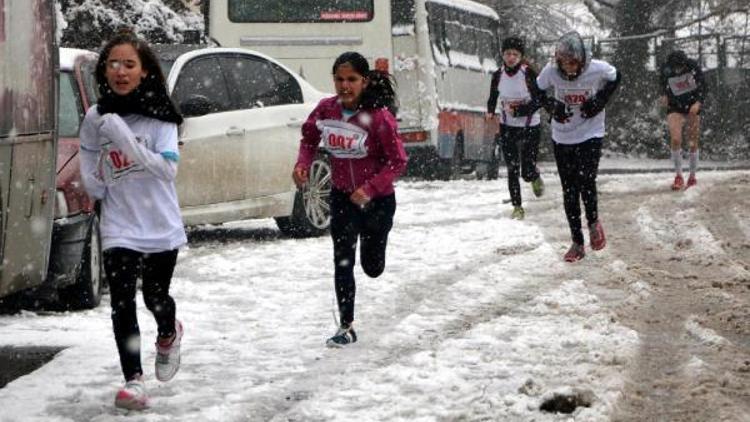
x=168 y=355
x=537 y=186
x=596 y=236
x=518 y=213
x=678 y=183
x=691 y=181
x=133 y=395
x=575 y=253
x=344 y=335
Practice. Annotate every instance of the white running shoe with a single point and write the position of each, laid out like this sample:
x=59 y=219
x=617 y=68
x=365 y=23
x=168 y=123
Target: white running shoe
x=168 y=357
x=133 y=395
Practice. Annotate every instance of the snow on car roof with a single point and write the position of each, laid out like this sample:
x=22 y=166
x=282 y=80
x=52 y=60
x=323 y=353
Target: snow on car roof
x=469 y=6
x=68 y=57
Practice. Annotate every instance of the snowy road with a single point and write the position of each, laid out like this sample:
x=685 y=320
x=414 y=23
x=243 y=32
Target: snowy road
x=475 y=319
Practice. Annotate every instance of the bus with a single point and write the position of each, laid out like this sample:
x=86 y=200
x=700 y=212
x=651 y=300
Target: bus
x=28 y=63
x=441 y=53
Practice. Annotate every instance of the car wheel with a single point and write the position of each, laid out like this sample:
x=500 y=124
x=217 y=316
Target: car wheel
x=311 y=214
x=86 y=293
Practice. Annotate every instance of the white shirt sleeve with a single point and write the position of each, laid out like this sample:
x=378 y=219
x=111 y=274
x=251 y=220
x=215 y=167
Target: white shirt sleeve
x=544 y=80
x=608 y=71
x=90 y=160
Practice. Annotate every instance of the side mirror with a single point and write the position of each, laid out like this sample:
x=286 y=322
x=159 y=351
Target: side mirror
x=196 y=105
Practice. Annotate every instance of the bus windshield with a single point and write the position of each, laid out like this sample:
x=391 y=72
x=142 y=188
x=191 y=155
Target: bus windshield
x=242 y=11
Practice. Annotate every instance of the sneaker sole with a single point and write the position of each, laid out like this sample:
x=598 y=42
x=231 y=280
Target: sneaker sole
x=334 y=345
x=131 y=404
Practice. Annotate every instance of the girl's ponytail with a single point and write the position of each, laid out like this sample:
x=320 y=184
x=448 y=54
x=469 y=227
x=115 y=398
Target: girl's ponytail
x=380 y=92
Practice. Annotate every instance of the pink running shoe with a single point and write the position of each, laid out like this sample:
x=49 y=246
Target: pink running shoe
x=691 y=181
x=133 y=395
x=596 y=236
x=168 y=356
x=575 y=253
x=678 y=183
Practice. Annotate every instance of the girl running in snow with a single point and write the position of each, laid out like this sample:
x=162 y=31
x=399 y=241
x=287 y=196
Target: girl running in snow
x=129 y=161
x=367 y=155
x=684 y=89
x=582 y=87
x=515 y=84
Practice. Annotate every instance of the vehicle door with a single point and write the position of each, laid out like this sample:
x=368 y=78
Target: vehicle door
x=214 y=165
x=28 y=64
x=271 y=101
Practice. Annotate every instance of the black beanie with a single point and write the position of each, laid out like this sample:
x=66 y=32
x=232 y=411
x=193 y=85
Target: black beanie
x=513 y=42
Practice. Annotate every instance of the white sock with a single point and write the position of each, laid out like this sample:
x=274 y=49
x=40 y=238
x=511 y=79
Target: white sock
x=677 y=160
x=693 y=162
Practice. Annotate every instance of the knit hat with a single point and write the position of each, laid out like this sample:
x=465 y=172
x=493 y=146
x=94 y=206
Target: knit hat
x=514 y=43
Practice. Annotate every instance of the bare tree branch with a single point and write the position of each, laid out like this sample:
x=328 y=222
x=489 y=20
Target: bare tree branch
x=721 y=11
x=603 y=17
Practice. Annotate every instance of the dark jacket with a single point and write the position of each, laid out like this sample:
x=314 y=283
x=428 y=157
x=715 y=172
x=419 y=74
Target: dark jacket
x=681 y=80
x=385 y=160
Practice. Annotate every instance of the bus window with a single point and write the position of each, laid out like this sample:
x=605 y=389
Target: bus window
x=402 y=12
x=438 y=33
x=242 y=11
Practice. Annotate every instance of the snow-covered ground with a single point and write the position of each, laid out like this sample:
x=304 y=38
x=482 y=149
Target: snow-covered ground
x=475 y=318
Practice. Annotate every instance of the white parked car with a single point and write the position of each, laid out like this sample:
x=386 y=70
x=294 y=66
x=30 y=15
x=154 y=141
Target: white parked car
x=238 y=145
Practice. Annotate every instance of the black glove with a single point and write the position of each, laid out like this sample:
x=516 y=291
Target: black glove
x=592 y=106
x=595 y=104
x=524 y=109
x=558 y=110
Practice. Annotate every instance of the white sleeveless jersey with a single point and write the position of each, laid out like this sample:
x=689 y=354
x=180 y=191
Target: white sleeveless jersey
x=512 y=90
x=573 y=94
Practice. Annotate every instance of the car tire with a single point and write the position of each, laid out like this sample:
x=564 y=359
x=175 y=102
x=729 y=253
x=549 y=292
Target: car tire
x=311 y=214
x=86 y=293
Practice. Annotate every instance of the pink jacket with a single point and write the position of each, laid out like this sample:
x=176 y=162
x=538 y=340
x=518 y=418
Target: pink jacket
x=385 y=159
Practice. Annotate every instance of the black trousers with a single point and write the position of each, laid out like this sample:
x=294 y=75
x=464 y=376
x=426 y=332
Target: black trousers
x=520 y=148
x=371 y=226
x=123 y=268
x=578 y=166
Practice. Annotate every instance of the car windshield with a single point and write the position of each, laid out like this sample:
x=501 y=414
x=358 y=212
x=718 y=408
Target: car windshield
x=70 y=110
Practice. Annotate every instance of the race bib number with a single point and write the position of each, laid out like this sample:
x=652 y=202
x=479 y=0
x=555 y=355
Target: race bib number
x=116 y=165
x=508 y=104
x=682 y=84
x=574 y=97
x=342 y=139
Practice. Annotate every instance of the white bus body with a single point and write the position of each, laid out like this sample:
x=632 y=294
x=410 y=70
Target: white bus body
x=440 y=52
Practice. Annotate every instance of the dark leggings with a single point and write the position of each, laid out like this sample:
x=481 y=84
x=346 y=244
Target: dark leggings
x=123 y=268
x=371 y=225
x=520 y=149
x=578 y=165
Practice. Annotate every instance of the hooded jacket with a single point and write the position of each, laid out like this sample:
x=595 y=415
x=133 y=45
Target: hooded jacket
x=365 y=150
x=581 y=97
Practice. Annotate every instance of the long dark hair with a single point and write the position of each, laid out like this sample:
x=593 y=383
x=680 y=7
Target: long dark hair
x=147 y=56
x=380 y=90
x=150 y=98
